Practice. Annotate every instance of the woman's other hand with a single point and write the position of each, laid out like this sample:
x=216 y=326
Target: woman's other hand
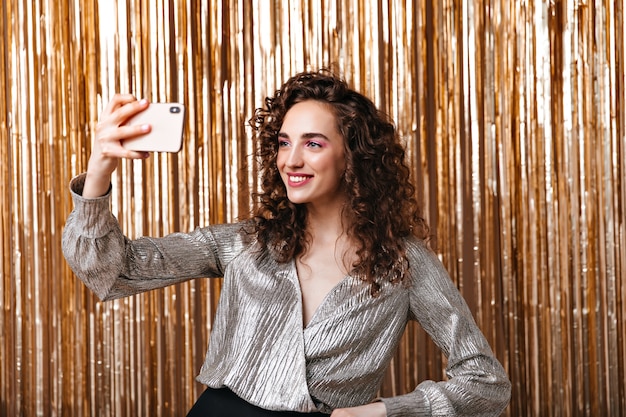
x=377 y=409
x=107 y=147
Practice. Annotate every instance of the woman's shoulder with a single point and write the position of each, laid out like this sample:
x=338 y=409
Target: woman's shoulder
x=416 y=246
x=423 y=261
x=428 y=279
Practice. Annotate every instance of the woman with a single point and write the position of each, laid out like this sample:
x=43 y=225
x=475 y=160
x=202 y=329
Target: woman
x=319 y=284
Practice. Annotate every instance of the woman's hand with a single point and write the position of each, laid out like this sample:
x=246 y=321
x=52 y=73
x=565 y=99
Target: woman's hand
x=107 y=146
x=377 y=409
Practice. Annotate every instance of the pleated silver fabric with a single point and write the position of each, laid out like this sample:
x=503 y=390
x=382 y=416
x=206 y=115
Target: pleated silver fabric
x=259 y=347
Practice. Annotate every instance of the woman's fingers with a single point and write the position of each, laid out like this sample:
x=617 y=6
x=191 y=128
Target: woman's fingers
x=116 y=102
x=111 y=130
x=109 y=149
x=125 y=111
x=110 y=133
x=121 y=108
x=376 y=409
x=110 y=136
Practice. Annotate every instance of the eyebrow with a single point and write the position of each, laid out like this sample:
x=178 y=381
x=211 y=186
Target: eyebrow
x=308 y=135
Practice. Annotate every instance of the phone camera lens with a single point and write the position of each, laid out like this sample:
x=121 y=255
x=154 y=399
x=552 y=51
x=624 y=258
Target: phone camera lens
x=175 y=109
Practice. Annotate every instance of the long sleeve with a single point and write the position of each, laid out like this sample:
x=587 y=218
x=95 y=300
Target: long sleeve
x=113 y=266
x=477 y=383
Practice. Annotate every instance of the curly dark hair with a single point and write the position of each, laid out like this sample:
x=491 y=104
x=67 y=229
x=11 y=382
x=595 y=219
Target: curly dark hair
x=382 y=209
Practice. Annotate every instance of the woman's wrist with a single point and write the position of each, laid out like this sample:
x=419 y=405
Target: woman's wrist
x=96 y=185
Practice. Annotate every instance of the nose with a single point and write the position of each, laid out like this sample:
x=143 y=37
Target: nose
x=294 y=159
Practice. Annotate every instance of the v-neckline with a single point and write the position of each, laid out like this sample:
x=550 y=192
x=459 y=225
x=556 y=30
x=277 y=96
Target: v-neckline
x=325 y=299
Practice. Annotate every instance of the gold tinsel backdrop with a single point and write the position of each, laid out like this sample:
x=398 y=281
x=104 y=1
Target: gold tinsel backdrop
x=514 y=118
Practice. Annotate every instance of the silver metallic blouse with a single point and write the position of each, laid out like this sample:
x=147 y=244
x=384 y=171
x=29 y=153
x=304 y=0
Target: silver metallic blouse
x=258 y=346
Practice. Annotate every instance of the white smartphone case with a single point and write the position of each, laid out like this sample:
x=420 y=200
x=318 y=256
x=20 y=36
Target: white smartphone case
x=167 y=121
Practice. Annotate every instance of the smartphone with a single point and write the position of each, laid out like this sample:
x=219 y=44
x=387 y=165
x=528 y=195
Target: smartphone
x=167 y=121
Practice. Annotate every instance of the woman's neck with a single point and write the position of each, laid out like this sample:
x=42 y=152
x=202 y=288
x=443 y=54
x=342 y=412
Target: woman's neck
x=326 y=222
x=327 y=231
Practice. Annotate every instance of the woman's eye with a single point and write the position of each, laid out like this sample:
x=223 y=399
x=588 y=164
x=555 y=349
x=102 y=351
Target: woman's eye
x=283 y=143
x=314 y=145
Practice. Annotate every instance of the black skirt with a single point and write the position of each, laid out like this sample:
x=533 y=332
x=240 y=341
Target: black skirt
x=224 y=403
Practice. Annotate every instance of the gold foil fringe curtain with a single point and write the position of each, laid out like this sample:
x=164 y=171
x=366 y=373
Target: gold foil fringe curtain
x=513 y=114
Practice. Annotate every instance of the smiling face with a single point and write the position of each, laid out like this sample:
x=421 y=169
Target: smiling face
x=311 y=158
